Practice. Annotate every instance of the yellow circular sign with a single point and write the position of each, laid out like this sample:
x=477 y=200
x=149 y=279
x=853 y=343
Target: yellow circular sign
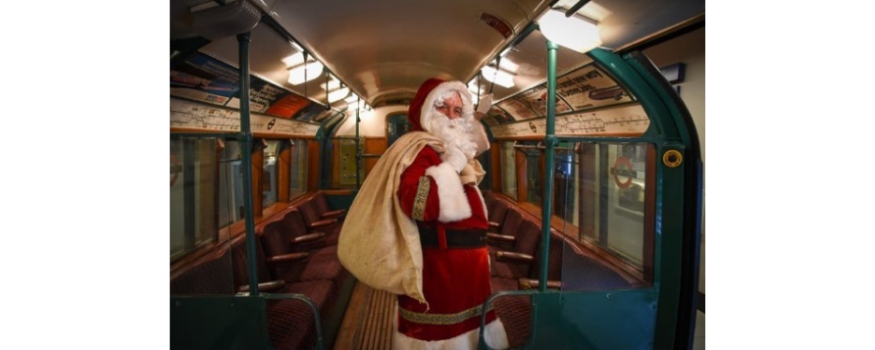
x=672 y=158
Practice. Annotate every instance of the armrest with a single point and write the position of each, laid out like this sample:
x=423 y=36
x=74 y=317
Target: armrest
x=271 y=286
x=308 y=238
x=323 y=223
x=494 y=227
x=500 y=238
x=334 y=214
x=527 y=283
x=287 y=258
x=506 y=256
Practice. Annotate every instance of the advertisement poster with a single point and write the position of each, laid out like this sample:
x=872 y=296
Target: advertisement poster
x=288 y=106
x=590 y=87
x=536 y=98
x=324 y=115
x=262 y=95
x=500 y=116
x=307 y=114
x=517 y=109
x=490 y=121
x=202 y=78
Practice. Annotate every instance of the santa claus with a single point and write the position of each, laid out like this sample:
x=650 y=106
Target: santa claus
x=417 y=228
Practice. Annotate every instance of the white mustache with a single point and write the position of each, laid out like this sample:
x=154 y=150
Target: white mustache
x=454 y=132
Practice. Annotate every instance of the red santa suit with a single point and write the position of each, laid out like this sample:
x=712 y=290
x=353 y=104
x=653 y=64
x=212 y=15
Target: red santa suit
x=452 y=220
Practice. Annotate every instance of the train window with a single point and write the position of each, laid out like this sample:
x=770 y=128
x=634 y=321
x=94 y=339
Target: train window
x=508 y=169
x=298 y=169
x=192 y=194
x=565 y=202
x=611 y=191
x=534 y=175
x=269 y=173
x=230 y=184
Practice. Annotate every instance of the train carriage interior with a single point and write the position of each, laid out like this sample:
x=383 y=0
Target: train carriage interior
x=279 y=112
x=282 y=113
x=329 y=88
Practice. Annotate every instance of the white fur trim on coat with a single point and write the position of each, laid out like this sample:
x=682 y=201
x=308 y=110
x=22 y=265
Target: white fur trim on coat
x=496 y=338
x=451 y=195
x=462 y=89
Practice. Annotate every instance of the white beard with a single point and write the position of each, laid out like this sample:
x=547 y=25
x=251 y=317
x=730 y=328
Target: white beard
x=454 y=133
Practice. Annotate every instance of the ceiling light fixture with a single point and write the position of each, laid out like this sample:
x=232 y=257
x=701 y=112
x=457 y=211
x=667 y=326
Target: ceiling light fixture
x=577 y=33
x=498 y=76
x=313 y=68
x=337 y=95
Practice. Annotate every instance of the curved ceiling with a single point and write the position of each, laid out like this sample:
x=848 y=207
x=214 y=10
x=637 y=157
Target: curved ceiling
x=385 y=49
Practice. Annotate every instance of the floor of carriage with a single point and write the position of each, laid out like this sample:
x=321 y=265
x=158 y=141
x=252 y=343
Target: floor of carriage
x=367 y=324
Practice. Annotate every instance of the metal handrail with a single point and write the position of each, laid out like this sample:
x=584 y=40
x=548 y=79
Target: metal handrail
x=485 y=306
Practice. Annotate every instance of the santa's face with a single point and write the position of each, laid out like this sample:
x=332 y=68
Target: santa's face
x=452 y=125
x=451 y=106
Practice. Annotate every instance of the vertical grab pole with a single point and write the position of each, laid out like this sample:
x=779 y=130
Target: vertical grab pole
x=358 y=152
x=550 y=141
x=246 y=136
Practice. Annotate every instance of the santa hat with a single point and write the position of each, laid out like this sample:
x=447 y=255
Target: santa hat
x=428 y=93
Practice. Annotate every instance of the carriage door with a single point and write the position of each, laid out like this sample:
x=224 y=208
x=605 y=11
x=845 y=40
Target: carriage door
x=396 y=125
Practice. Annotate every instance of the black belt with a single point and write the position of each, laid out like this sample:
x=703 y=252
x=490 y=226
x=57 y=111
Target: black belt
x=473 y=238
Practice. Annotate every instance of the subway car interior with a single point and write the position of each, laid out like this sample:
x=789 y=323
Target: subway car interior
x=282 y=112
x=594 y=185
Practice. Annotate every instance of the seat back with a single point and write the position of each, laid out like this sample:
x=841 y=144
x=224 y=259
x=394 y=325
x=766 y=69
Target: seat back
x=497 y=211
x=529 y=238
x=239 y=263
x=488 y=197
x=512 y=222
x=321 y=203
x=308 y=212
x=276 y=239
x=554 y=264
x=293 y=223
x=209 y=277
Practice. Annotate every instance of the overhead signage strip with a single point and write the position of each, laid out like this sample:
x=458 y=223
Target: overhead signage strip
x=188 y=115
x=205 y=79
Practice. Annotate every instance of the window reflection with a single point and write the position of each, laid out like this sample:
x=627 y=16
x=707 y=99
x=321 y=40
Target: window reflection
x=192 y=198
x=508 y=169
x=269 y=173
x=611 y=191
x=565 y=188
x=230 y=184
x=534 y=176
x=298 y=169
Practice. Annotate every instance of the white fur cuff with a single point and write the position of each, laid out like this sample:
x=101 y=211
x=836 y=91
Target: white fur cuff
x=494 y=332
x=451 y=195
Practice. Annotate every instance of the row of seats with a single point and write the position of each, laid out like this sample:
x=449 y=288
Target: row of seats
x=514 y=246
x=514 y=241
x=296 y=252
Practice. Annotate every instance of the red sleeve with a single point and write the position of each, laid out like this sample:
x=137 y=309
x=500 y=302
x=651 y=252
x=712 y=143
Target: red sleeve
x=414 y=183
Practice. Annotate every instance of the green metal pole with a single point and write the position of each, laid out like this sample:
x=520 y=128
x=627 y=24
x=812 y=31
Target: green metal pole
x=575 y=8
x=358 y=152
x=550 y=141
x=246 y=135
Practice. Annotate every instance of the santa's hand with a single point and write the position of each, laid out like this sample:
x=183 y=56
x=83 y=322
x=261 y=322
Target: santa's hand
x=485 y=104
x=456 y=158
